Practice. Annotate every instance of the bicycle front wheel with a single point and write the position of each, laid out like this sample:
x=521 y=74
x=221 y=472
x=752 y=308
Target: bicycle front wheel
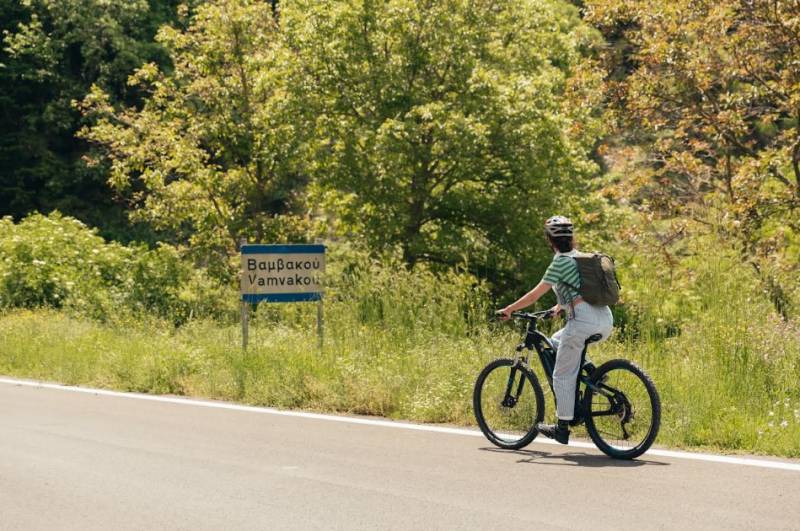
x=624 y=413
x=508 y=402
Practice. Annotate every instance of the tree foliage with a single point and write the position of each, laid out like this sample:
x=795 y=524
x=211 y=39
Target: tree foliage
x=712 y=92
x=211 y=155
x=443 y=130
x=51 y=53
x=447 y=130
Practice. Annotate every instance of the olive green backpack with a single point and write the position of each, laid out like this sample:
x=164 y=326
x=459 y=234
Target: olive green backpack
x=599 y=284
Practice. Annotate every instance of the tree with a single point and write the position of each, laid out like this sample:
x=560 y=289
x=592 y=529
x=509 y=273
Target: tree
x=211 y=154
x=712 y=90
x=447 y=130
x=52 y=51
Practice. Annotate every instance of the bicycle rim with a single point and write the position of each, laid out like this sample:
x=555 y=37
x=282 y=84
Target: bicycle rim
x=508 y=403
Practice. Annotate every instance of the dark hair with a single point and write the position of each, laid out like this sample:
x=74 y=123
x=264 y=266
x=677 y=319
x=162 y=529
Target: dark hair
x=564 y=244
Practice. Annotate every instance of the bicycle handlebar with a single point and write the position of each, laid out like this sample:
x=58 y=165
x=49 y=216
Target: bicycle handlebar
x=530 y=316
x=533 y=316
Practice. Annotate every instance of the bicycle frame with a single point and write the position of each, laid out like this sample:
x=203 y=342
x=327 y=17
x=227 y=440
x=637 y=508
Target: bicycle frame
x=536 y=340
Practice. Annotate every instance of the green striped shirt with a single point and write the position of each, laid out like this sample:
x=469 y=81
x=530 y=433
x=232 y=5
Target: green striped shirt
x=562 y=274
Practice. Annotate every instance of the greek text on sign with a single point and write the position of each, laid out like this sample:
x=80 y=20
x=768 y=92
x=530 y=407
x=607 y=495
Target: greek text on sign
x=282 y=273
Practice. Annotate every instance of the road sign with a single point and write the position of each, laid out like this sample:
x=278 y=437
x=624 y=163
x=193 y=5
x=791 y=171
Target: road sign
x=282 y=273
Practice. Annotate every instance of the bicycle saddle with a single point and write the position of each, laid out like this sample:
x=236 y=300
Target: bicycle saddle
x=594 y=337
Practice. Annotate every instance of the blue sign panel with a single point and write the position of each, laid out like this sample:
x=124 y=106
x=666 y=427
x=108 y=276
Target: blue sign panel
x=282 y=273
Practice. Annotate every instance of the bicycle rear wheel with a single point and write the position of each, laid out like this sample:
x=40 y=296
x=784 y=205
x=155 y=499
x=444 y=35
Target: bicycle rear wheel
x=508 y=402
x=623 y=417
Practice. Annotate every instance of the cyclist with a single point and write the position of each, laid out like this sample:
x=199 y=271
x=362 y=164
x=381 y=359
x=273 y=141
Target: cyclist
x=583 y=320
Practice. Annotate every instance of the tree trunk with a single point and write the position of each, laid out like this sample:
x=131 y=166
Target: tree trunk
x=411 y=231
x=418 y=207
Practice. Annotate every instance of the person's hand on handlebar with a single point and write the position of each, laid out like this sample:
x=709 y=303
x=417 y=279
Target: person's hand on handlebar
x=504 y=314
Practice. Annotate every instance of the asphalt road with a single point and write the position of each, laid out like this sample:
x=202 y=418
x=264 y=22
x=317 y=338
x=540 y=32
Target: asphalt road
x=83 y=461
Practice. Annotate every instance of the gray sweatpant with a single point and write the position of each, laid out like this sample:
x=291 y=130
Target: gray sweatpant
x=569 y=342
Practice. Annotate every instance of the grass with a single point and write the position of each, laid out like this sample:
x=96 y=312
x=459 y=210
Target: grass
x=363 y=370
x=717 y=390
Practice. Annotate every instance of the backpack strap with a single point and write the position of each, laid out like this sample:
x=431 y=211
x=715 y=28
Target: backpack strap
x=571 y=313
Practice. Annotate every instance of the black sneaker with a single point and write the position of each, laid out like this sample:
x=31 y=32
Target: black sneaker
x=559 y=432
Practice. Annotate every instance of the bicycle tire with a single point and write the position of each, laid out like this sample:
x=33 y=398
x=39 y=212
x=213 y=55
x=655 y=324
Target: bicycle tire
x=590 y=407
x=497 y=437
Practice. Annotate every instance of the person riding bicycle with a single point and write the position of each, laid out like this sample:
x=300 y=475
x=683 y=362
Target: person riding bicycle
x=583 y=320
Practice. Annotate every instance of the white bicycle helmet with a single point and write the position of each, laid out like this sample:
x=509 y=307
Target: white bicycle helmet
x=558 y=226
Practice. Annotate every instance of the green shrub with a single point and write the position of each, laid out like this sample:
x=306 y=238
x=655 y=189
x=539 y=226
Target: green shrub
x=57 y=262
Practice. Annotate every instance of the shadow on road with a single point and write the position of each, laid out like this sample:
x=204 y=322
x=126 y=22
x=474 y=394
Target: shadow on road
x=573 y=459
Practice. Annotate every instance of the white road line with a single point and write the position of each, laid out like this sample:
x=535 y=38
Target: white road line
x=763 y=463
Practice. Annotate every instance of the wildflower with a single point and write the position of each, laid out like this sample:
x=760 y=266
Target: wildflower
x=771 y=424
x=784 y=424
x=771 y=413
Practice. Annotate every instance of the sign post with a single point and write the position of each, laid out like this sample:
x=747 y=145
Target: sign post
x=245 y=324
x=320 y=323
x=282 y=273
x=245 y=310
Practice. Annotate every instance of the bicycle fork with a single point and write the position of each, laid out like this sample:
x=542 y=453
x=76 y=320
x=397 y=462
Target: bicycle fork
x=509 y=400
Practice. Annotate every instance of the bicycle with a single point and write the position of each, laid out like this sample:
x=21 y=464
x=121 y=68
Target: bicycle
x=617 y=401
